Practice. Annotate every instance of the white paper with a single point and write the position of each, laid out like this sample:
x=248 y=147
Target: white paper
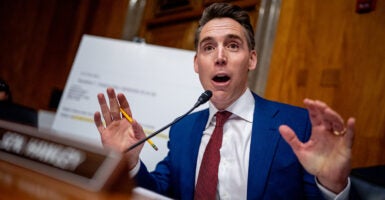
x=159 y=83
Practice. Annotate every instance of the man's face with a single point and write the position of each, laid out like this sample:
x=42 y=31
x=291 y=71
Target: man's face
x=223 y=60
x=3 y=96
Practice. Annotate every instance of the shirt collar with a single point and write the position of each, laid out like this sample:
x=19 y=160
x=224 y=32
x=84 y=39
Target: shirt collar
x=243 y=108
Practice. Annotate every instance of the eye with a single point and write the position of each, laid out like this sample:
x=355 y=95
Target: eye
x=208 y=48
x=233 y=46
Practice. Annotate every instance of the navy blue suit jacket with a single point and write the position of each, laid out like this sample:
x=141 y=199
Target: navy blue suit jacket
x=274 y=171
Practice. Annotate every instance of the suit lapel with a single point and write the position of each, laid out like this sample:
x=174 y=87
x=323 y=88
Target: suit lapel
x=195 y=136
x=264 y=140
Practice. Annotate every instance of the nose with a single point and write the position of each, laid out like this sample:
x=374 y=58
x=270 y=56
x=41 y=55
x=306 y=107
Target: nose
x=221 y=58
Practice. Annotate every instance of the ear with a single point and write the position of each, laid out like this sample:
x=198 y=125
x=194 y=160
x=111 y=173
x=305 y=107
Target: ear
x=196 y=68
x=253 y=60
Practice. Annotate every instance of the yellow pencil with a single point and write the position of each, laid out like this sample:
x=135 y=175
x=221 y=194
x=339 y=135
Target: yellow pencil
x=130 y=120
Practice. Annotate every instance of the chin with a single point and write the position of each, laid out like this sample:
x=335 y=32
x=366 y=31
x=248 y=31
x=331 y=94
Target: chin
x=220 y=96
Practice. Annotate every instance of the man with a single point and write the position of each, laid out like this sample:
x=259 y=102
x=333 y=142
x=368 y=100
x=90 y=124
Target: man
x=269 y=150
x=5 y=92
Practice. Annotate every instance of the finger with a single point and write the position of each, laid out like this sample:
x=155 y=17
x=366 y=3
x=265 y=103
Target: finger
x=290 y=137
x=124 y=104
x=333 y=118
x=314 y=114
x=104 y=108
x=350 y=131
x=138 y=130
x=321 y=108
x=98 y=122
x=114 y=105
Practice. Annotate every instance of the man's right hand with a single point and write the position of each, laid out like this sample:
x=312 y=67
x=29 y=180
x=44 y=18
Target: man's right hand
x=117 y=132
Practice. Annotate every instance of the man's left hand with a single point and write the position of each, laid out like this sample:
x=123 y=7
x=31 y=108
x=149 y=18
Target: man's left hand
x=327 y=154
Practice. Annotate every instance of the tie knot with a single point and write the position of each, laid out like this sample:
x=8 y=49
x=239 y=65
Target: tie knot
x=221 y=118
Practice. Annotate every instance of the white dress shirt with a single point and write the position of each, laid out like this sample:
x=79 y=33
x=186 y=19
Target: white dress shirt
x=234 y=164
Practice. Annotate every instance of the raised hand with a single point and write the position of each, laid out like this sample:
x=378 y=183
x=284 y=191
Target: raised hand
x=327 y=154
x=118 y=133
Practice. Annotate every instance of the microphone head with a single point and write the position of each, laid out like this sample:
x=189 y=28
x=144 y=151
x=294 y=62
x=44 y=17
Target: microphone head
x=205 y=96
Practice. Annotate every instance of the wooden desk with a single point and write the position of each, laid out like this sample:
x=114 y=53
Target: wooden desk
x=20 y=183
x=37 y=165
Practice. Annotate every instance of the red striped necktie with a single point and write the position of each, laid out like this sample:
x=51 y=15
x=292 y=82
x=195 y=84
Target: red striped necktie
x=207 y=182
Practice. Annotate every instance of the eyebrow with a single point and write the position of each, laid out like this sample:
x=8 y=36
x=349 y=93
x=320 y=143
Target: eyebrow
x=205 y=39
x=233 y=36
x=230 y=36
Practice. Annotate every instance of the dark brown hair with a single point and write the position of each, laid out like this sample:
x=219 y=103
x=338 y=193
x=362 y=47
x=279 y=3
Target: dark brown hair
x=223 y=10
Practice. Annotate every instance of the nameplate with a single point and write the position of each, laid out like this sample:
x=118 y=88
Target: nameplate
x=84 y=165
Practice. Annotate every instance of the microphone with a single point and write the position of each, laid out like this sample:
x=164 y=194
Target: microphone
x=205 y=96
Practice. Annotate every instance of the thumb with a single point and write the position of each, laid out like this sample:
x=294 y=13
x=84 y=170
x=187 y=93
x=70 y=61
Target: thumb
x=290 y=137
x=138 y=130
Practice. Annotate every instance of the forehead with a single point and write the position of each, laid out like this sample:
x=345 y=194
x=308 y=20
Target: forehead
x=220 y=27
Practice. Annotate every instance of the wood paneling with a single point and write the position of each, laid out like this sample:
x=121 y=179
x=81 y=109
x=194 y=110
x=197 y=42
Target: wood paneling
x=325 y=50
x=39 y=40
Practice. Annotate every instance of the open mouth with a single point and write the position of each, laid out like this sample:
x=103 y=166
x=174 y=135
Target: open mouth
x=221 y=78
